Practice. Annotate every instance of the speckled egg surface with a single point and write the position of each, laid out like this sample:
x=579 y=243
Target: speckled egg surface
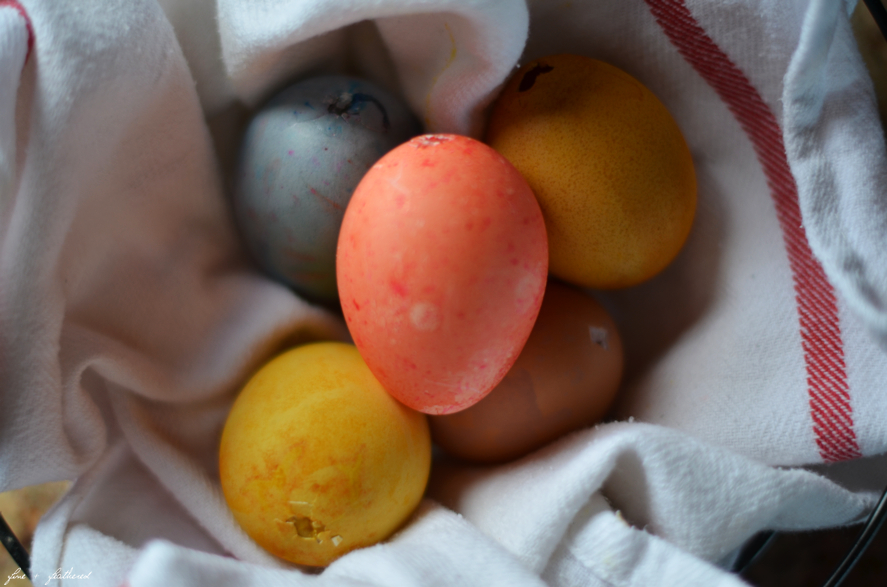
x=607 y=162
x=302 y=156
x=442 y=265
x=317 y=460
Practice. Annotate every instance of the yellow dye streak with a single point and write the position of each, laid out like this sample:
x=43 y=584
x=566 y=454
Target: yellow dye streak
x=449 y=62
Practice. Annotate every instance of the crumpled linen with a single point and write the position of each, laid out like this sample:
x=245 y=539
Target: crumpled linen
x=129 y=314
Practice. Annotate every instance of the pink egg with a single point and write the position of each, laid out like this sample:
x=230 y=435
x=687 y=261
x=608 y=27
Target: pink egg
x=441 y=264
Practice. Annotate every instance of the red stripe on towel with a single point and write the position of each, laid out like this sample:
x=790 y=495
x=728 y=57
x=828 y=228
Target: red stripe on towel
x=14 y=4
x=829 y=393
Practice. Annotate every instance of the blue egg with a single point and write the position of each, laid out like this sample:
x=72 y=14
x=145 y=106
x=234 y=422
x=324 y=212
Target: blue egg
x=302 y=156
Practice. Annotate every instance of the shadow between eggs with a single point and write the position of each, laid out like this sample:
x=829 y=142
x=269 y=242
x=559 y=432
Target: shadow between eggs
x=654 y=315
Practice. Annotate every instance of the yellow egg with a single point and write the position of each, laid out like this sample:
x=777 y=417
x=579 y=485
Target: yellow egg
x=611 y=170
x=316 y=459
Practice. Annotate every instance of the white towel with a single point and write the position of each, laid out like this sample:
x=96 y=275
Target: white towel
x=130 y=315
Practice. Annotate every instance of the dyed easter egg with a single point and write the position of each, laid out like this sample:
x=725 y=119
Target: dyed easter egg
x=316 y=459
x=442 y=265
x=608 y=163
x=565 y=378
x=302 y=156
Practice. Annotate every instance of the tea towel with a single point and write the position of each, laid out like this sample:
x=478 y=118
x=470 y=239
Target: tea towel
x=130 y=316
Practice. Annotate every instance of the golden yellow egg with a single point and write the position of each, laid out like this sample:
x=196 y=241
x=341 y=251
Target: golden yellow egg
x=611 y=170
x=317 y=459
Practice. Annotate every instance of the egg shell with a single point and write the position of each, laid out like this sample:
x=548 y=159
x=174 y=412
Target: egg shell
x=608 y=163
x=316 y=459
x=302 y=156
x=566 y=378
x=442 y=265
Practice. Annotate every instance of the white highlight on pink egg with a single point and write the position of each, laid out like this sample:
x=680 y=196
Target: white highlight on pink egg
x=424 y=316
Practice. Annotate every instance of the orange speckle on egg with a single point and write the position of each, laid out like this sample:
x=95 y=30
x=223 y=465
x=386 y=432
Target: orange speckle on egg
x=314 y=448
x=461 y=308
x=608 y=163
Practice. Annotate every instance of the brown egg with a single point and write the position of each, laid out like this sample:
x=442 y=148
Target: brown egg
x=565 y=378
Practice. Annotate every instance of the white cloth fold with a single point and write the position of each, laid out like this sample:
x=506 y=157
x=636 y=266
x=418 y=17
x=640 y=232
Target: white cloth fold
x=130 y=315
